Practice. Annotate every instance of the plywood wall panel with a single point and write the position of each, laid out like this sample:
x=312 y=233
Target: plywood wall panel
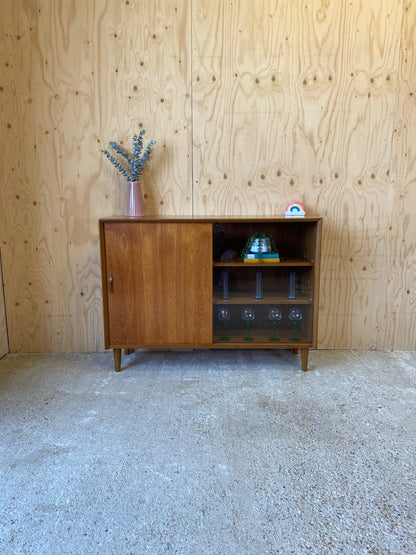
x=310 y=118
x=146 y=68
x=252 y=104
x=399 y=326
x=354 y=178
x=243 y=106
x=75 y=76
x=273 y=120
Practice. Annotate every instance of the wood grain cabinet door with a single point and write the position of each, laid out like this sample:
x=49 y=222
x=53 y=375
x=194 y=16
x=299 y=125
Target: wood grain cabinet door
x=158 y=284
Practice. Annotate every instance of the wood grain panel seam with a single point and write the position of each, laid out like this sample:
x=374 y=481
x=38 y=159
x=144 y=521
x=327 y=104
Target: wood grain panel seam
x=3 y=316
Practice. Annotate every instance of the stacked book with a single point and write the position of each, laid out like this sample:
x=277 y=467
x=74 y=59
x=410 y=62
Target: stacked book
x=264 y=257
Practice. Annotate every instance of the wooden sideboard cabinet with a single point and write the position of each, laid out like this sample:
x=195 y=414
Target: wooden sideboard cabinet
x=179 y=282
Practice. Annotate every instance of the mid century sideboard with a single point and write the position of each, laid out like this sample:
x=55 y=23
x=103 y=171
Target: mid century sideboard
x=179 y=282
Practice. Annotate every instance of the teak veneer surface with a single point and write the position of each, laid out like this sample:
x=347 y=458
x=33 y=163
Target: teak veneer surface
x=158 y=275
x=158 y=284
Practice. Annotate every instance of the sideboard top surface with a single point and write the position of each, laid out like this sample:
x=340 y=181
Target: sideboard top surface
x=207 y=219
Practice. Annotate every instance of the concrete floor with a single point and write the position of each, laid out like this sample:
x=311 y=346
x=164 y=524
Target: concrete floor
x=232 y=452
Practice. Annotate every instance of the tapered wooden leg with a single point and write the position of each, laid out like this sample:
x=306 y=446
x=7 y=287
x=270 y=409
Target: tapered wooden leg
x=295 y=351
x=128 y=351
x=117 y=359
x=304 y=353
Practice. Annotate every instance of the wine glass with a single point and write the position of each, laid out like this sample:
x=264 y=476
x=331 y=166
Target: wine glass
x=274 y=315
x=248 y=315
x=295 y=314
x=224 y=314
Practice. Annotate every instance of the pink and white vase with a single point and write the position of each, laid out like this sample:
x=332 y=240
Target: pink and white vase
x=135 y=205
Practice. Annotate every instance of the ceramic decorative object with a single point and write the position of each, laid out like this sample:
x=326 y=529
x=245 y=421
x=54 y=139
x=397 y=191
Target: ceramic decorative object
x=135 y=206
x=295 y=210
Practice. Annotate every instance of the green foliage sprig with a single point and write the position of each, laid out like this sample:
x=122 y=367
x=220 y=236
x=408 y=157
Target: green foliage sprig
x=135 y=162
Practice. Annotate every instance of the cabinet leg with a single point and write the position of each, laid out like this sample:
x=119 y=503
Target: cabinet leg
x=304 y=353
x=128 y=351
x=295 y=351
x=117 y=359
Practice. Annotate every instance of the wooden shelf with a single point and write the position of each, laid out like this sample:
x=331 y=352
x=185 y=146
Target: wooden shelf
x=240 y=298
x=283 y=263
x=260 y=337
x=283 y=344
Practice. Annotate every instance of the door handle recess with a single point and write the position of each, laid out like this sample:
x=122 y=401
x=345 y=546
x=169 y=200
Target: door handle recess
x=110 y=284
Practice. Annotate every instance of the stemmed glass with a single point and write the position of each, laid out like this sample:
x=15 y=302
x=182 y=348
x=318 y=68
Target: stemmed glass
x=275 y=315
x=224 y=314
x=248 y=315
x=295 y=314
